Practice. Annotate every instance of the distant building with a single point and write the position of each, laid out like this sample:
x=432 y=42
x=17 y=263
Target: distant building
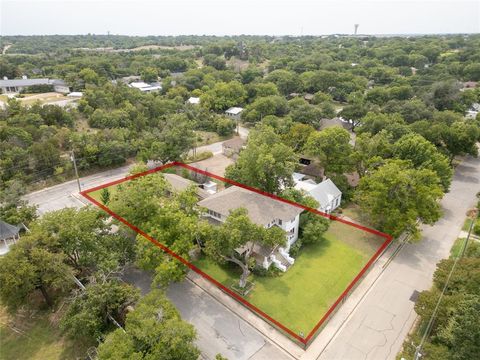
x=144 y=87
x=234 y=113
x=78 y=94
x=14 y=86
x=469 y=85
x=308 y=97
x=193 y=100
x=473 y=111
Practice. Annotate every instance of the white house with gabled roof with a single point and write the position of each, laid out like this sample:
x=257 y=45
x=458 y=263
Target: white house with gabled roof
x=234 y=113
x=327 y=194
x=262 y=210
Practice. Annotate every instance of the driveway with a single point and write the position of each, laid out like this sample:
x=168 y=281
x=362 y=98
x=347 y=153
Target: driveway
x=380 y=323
x=216 y=164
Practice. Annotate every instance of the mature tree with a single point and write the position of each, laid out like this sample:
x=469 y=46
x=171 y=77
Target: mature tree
x=286 y=81
x=31 y=266
x=332 y=147
x=171 y=142
x=374 y=123
x=445 y=95
x=265 y=163
x=238 y=231
x=395 y=196
x=472 y=72
x=460 y=138
x=87 y=313
x=223 y=96
x=424 y=155
x=154 y=330
x=13 y=210
x=313 y=229
x=85 y=239
x=149 y=74
x=297 y=136
x=214 y=61
x=264 y=106
x=462 y=333
x=370 y=151
x=302 y=112
x=258 y=90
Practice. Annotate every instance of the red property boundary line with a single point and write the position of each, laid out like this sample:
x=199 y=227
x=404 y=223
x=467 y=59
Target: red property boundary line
x=303 y=340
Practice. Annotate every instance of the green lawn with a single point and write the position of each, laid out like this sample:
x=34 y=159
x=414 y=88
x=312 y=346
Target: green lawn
x=300 y=297
x=41 y=341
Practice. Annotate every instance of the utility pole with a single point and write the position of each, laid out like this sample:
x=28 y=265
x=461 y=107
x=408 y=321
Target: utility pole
x=72 y=157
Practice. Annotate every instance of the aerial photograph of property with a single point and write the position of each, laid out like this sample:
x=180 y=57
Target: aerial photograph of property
x=224 y=180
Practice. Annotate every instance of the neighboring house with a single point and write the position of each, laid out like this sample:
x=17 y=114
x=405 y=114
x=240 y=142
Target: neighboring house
x=9 y=234
x=473 y=111
x=308 y=97
x=262 y=210
x=326 y=193
x=144 y=87
x=338 y=122
x=234 y=113
x=469 y=85
x=193 y=100
x=232 y=147
x=179 y=183
x=15 y=86
x=76 y=94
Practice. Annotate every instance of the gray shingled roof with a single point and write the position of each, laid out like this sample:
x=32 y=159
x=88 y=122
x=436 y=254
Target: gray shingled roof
x=179 y=183
x=7 y=231
x=261 y=209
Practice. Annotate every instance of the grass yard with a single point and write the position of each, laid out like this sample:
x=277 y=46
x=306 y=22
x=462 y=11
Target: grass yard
x=40 y=341
x=300 y=297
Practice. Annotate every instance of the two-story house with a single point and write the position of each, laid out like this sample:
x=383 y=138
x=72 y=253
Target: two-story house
x=262 y=210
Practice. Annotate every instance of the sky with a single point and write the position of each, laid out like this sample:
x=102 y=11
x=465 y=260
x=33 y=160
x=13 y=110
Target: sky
x=234 y=17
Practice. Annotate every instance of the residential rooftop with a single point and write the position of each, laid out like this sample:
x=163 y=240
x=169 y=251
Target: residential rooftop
x=261 y=209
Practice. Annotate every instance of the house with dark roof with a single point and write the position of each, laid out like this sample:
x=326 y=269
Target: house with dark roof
x=9 y=234
x=179 y=184
x=262 y=210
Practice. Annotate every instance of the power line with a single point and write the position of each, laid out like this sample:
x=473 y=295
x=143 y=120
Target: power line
x=418 y=350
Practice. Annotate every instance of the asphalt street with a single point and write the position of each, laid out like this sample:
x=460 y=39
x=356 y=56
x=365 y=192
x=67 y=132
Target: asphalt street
x=219 y=330
x=378 y=326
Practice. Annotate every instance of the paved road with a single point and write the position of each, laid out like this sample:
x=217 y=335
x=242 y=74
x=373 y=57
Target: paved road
x=60 y=196
x=216 y=148
x=378 y=326
x=219 y=330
